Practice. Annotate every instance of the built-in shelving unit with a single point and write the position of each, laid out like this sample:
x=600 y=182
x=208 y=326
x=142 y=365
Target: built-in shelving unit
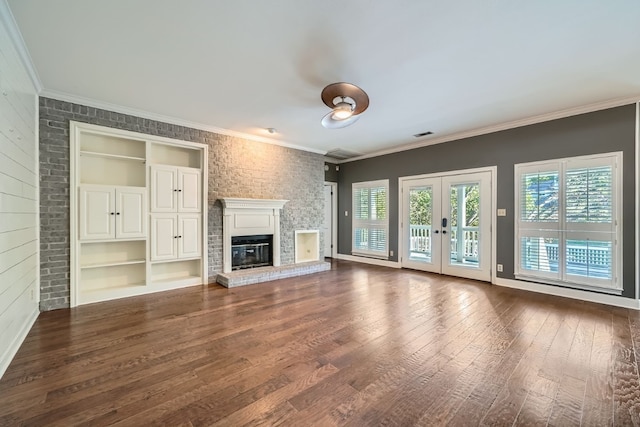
x=135 y=196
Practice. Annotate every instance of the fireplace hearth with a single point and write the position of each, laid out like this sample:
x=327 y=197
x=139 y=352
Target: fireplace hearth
x=251 y=251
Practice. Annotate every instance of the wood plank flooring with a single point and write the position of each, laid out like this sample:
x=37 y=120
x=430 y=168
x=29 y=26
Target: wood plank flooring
x=356 y=346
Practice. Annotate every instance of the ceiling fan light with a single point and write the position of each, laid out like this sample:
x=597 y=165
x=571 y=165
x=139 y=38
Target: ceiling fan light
x=342 y=110
x=330 y=123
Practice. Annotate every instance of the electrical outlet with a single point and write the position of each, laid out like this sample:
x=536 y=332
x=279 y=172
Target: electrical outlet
x=499 y=268
x=390 y=253
x=346 y=213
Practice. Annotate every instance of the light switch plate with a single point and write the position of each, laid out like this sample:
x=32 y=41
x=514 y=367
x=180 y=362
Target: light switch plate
x=502 y=212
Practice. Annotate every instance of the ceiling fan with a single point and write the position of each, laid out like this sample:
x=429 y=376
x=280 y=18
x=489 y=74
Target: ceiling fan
x=347 y=102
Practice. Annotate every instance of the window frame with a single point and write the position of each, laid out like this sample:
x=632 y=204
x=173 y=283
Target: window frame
x=563 y=230
x=370 y=223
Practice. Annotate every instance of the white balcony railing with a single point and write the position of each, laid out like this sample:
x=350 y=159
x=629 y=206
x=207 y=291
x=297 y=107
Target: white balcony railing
x=465 y=250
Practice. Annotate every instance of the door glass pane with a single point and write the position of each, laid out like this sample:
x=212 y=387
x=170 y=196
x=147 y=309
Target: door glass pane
x=464 y=224
x=420 y=215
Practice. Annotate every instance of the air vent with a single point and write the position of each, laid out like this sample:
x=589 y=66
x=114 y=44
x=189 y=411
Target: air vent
x=340 y=154
x=418 y=135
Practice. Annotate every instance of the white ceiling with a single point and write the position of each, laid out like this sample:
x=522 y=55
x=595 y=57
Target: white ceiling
x=445 y=66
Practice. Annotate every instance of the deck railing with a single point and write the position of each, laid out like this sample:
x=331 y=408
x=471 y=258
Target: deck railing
x=465 y=250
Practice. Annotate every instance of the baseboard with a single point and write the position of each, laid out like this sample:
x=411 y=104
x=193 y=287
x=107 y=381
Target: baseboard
x=570 y=293
x=13 y=348
x=365 y=260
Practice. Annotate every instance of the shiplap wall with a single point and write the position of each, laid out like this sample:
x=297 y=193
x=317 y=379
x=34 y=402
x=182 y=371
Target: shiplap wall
x=18 y=199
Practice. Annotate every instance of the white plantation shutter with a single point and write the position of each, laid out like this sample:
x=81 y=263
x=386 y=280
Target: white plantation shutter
x=567 y=228
x=370 y=220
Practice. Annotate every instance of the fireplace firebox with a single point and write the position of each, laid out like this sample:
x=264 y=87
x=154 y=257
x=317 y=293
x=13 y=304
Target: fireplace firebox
x=251 y=251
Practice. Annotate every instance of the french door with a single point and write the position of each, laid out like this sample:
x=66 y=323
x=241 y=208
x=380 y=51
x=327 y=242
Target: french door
x=446 y=224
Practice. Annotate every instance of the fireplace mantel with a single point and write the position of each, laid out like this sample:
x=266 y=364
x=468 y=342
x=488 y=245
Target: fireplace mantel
x=246 y=217
x=239 y=203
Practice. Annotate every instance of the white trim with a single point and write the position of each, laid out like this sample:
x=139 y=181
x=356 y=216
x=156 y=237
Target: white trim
x=570 y=293
x=75 y=99
x=637 y=247
x=334 y=218
x=204 y=215
x=75 y=129
x=36 y=101
x=372 y=261
x=12 y=349
x=589 y=108
x=9 y=21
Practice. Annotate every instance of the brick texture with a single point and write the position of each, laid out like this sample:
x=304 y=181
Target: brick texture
x=237 y=168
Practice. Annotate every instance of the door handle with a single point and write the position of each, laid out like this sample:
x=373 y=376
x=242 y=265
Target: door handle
x=444 y=222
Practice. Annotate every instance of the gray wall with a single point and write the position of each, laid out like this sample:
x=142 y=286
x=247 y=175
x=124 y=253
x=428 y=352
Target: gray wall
x=237 y=168
x=331 y=172
x=598 y=132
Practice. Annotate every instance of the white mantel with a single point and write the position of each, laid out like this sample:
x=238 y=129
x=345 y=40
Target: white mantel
x=247 y=217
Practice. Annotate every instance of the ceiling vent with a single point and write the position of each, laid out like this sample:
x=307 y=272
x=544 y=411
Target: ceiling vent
x=340 y=154
x=418 y=135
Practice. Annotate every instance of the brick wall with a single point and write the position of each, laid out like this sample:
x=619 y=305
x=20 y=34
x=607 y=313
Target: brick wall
x=237 y=168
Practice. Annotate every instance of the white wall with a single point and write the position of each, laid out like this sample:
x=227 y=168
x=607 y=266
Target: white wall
x=19 y=263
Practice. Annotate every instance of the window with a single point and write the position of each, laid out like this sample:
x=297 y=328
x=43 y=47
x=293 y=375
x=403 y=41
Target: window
x=370 y=219
x=568 y=228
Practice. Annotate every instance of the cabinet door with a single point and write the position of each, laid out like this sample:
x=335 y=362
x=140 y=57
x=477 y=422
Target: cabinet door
x=131 y=210
x=97 y=213
x=188 y=190
x=164 y=237
x=164 y=189
x=189 y=236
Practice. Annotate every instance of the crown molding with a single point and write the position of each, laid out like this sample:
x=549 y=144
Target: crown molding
x=589 y=108
x=75 y=99
x=7 y=18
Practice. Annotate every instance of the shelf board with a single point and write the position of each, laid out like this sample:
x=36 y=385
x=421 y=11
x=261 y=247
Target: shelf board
x=114 y=287
x=166 y=261
x=112 y=156
x=176 y=280
x=133 y=239
x=113 y=264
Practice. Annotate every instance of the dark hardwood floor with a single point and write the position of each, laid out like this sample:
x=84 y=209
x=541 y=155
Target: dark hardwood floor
x=357 y=345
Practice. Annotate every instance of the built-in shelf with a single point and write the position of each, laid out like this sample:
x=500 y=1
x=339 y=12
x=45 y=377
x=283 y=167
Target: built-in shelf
x=111 y=156
x=307 y=246
x=113 y=264
x=110 y=174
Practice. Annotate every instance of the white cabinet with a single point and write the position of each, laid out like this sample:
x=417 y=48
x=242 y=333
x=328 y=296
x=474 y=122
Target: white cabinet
x=175 y=236
x=112 y=212
x=175 y=189
x=137 y=225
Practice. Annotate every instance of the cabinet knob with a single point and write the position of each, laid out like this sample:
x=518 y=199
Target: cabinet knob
x=113 y=213
x=175 y=237
x=179 y=237
x=175 y=190
x=180 y=191
x=117 y=213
